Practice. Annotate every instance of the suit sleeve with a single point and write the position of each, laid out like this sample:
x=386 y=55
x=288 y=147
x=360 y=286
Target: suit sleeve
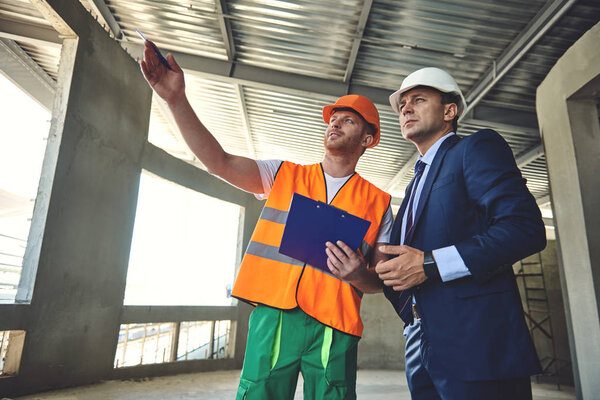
x=512 y=226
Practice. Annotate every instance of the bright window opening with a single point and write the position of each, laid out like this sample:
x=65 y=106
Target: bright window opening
x=184 y=248
x=156 y=343
x=195 y=340
x=25 y=126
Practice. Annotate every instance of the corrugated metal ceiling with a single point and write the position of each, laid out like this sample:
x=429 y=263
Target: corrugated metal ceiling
x=21 y=11
x=374 y=43
x=190 y=27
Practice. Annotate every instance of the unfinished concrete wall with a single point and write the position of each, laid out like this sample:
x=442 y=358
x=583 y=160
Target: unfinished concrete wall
x=382 y=344
x=99 y=128
x=568 y=118
x=80 y=238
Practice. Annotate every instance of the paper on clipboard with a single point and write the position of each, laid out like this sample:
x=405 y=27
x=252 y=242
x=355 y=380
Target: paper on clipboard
x=311 y=223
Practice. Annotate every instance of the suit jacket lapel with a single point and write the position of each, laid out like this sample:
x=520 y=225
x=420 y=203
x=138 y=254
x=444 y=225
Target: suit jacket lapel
x=434 y=169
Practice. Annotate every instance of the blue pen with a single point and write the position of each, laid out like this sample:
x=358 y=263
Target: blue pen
x=160 y=56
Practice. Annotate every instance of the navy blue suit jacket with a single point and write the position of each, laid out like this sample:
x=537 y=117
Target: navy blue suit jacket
x=475 y=198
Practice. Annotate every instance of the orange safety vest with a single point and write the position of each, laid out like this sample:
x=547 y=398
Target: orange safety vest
x=270 y=278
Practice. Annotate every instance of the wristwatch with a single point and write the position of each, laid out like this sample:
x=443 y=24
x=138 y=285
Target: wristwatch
x=430 y=267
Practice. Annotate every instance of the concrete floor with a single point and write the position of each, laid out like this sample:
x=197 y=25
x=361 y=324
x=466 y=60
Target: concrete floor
x=221 y=385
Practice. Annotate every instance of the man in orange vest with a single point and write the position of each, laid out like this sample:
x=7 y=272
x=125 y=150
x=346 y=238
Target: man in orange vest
x=307 y=320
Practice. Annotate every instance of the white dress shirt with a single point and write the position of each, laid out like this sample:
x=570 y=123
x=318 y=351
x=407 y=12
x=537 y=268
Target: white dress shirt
x=448 y=260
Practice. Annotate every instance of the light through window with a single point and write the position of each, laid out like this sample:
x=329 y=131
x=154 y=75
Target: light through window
x=25 y=126
x=184 y=246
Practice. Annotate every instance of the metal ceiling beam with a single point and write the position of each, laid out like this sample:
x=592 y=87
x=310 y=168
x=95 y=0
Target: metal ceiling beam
x=26 y=73
x=360 y=30
x=56 y=13
x=225 y=27
x=248 y=75
x=530 y=155
x=239 y=91
x=107 y=18
x=29 y=33
x=402 y=173
x=537 y=27
x=518 y=118
x=502 y=127
x=262 y=77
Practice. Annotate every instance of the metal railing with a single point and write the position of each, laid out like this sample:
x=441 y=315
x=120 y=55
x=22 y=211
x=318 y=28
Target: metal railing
x=12 y=250
x=155 y=343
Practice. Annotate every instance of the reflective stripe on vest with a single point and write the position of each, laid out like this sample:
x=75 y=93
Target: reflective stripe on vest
x=272 y=253
x=270 y=278
x=280 y=217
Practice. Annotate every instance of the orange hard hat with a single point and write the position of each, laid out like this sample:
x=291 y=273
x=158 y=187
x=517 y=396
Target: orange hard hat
x=363 y=106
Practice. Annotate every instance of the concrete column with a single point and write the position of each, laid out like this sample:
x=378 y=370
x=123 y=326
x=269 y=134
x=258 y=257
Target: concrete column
x=382 y=343
x=568 y=120
x=13 y=352
x=85 y=218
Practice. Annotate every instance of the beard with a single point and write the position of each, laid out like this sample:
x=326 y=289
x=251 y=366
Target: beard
x=342 y=145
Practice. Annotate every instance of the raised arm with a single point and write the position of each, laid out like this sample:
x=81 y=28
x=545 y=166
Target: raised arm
x=170 y=86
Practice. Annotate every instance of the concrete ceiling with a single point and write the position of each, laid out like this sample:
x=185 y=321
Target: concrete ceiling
x=259 y=71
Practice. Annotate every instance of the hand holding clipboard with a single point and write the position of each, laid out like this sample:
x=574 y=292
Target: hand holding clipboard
x=310 y=224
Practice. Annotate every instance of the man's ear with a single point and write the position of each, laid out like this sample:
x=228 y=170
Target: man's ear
x=368 y=139
x=450 y=111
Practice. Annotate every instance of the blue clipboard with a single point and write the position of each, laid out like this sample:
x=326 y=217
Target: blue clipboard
x=311 y=223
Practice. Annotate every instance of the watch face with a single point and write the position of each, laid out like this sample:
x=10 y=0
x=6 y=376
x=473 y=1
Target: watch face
x=428 y=258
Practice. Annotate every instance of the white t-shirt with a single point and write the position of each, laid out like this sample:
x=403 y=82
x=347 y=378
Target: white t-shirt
x=268 y=169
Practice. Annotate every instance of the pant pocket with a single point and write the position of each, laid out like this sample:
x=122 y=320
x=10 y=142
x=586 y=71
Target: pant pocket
x=341 y=364
x=262 y=348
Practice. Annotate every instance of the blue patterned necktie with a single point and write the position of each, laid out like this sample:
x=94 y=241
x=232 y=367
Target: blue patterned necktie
x=404 y=296
x=410 y=218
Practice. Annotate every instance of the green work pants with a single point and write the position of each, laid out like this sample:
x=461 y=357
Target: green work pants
x=282 y=343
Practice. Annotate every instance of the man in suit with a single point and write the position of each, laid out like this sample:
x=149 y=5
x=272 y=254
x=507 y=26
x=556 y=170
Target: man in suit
x=466 y=218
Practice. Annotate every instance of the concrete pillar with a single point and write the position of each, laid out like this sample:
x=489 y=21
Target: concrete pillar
x=568 y=119
x=75 y=267
x=14 y=350
x=83 y=222
x=382 y=343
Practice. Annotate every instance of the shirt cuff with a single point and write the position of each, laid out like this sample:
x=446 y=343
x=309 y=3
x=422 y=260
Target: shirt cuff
x=450 y=263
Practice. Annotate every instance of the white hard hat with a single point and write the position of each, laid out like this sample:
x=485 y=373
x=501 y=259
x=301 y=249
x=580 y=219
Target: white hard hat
x=432 y=77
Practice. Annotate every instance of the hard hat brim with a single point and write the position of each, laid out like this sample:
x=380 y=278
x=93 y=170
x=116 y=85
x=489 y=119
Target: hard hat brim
x=397 y=95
